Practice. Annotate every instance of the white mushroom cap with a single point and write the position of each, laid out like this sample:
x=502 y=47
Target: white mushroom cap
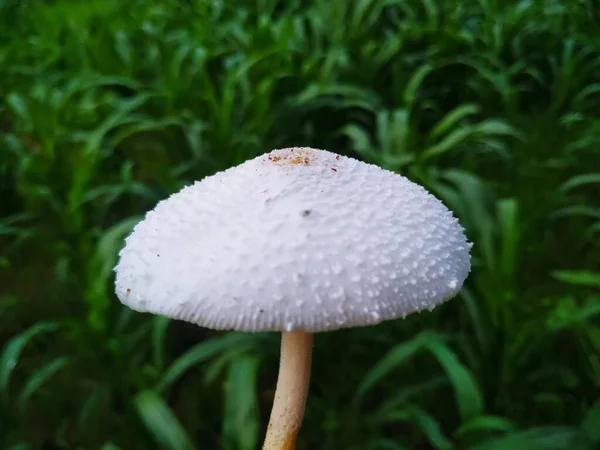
x=296 y=239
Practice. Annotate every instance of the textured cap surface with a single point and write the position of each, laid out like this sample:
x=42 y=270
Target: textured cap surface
x=296 y=239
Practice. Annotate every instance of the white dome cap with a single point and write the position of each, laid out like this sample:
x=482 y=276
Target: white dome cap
x=296 y=239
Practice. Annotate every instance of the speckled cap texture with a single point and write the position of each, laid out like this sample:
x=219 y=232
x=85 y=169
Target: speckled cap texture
x=296 y=239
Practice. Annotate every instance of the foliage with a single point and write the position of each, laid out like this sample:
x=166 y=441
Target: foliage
x=107 y=107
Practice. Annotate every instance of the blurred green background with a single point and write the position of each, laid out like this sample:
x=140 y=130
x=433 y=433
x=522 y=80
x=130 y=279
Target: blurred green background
x=108 y=106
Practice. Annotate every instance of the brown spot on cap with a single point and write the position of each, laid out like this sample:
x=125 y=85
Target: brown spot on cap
x=303 y=157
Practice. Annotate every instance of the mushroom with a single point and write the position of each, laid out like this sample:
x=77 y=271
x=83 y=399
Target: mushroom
x=297 y=241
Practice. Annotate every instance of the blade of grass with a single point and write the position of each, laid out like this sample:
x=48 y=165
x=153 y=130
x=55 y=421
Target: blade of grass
x=578 y=277
x=542 y=438
x=40 y=377
x=466 y=391
x=200 y=353
x=591 y=421
x=240 y=421
x=12 y=351
x=161 y=423
x=394 y=358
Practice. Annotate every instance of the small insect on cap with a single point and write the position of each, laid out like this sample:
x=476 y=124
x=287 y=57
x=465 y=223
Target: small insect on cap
x=296 y=239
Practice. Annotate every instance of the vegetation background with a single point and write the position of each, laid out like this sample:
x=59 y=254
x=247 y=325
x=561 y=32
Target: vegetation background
x=108 y=106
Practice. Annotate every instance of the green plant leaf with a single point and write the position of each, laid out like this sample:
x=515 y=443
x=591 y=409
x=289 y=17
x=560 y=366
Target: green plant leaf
x=161 y=423
x=428 y=425
x=159 y=331
x=394 y=358
x=240 y=421
x=485 y=424
x=579 y=180
x=542 y=438
x=407 y=393
x=110 y=446
x=495 y=127
x=479 y=320
x=508 y=218
x=200 y=353
x=12 y=351
x=360 y=142
x=20 y=108
x=466 y=391
x=414 y=84
x=577 y=210
x=386 y=444
x=20 y=446
x=101 y=269
x=591 y=422
x=451 y=120
x=40 y=377
x=450 y=142
x=578 y=277
x=91 y=406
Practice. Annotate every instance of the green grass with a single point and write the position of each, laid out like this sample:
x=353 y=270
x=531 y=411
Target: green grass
x=107 y=107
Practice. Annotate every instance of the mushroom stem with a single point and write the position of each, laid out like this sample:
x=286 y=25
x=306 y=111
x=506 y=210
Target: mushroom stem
x=291 y=391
